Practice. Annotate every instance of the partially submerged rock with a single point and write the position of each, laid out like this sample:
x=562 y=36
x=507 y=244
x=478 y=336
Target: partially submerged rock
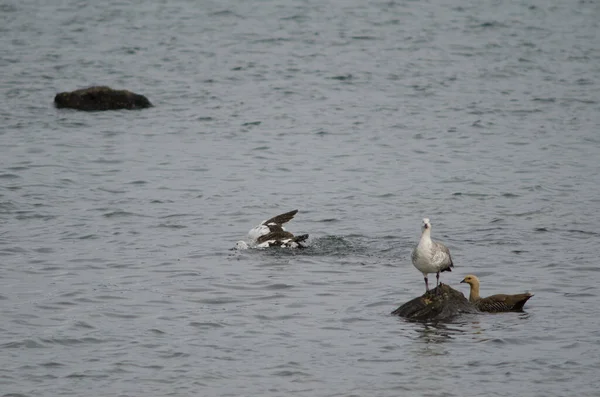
x=101 y=98
x=440 y=303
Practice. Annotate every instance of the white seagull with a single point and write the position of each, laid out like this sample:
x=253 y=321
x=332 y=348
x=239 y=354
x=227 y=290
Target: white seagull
x=431 y=256
x=270 y=233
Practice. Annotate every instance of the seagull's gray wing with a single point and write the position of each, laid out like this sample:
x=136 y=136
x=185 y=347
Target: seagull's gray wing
x=441 y=255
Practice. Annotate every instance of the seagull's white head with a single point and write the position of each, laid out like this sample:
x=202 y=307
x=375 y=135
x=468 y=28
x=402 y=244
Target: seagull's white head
x=241 y=245
x=426 y=224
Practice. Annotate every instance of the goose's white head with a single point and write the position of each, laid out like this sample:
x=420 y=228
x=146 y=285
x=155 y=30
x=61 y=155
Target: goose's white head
x=426 y=224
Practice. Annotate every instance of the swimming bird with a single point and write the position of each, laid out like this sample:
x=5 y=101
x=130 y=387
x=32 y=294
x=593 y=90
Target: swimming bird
x=431 y=256
x=270 y=233
x=495 y=303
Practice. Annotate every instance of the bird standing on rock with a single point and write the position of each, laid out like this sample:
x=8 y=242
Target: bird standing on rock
x=431 y=256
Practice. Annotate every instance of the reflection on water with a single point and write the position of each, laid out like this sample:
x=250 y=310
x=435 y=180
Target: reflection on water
x=441 y=332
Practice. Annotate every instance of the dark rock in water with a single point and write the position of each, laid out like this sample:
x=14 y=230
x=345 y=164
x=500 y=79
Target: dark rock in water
x=101 y=98
x=441 y=303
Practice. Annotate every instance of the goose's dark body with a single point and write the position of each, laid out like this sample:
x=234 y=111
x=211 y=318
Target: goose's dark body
x=495 y=303
x=502 y=303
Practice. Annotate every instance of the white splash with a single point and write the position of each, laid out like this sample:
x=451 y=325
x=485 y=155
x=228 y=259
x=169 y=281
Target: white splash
x=241 y=245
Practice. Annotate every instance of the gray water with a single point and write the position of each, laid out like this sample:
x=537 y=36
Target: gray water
x=116 y=274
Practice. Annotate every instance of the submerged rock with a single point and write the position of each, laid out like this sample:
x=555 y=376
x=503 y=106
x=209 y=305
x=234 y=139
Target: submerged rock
x=440 y=303
x=101 y=98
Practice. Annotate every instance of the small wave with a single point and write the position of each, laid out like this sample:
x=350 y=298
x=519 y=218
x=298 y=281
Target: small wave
x=121 y=214
x=290 y=373
x=26 y=215
x=121 y=315
x=9 y=176
x=111 y=297
x=224 y=13
x=578 y=295
x=83 y=324
x=271 y=40
x=78 y=375
x=102 y=160
x=580 y=100
x=112 y=191
x=205 y=325
x=18 y=168
x=217 y=301
x=329 y=220
x=297 y=17
x=170 y=226
x=586 y=269
x=364 y=38
x=52 y=364
x=352 y=320
x=380 y=360
x=263 y=317
x=345 y=77
x=88 y=237
x=586 y=232
x=474 y=195
x=492 y=24
x=7 y=206
x=27 y=343
x=279 y=286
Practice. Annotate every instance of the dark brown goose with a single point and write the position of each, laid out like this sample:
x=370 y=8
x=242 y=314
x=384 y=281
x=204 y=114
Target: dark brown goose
x=495 y=303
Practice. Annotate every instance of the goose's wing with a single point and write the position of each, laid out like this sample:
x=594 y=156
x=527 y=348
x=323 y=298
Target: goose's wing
x=503 y=303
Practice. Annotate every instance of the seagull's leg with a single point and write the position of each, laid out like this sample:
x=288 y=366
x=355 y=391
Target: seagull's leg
x=426 y=284
x=437 y=283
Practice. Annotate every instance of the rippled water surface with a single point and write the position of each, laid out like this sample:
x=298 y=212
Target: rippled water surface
x=116 y=274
